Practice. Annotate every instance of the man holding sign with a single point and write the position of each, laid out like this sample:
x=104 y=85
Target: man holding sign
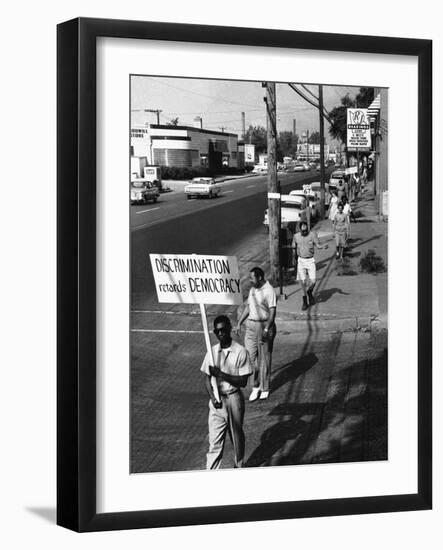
x=231 y=371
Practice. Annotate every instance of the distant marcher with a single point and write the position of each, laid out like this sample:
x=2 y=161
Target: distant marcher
x=333 y=202
x=341 y=231
x=304 y=244
x=231 y=370
x=347 y=210
x=259 y=315
x=341 y=188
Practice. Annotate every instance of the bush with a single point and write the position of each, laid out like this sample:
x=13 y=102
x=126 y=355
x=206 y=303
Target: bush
x=186 y=173
x=345 y=267
x=182 y=172
x=371 y=263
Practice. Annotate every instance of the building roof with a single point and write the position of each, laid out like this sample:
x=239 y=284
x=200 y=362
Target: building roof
x=192 y=128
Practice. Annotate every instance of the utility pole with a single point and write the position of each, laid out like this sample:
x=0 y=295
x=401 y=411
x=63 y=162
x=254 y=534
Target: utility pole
x=322 y=152
x=157 y=112
x=294 y=128
x=200 y=119
x=307 y=145
x=243 y=125
x=273 y=197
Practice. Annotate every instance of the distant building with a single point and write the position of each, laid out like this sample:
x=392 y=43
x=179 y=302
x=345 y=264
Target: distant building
x=311 y=151
x=184 y=146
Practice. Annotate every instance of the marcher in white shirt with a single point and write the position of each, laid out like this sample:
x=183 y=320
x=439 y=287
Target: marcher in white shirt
x=231 y=370
x=259 y=315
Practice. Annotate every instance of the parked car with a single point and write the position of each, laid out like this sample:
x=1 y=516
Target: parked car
x=260 y=169
x=291 y=209
x=314 y=202
x=299 y=168
x=201 y=187
x=143 y=191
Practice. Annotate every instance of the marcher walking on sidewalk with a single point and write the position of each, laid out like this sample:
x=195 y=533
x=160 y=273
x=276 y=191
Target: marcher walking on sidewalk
x=304 y=244
x=341 y=231
x=333 y=203
x=347 y=210
x=259 y=315
x=231 y=370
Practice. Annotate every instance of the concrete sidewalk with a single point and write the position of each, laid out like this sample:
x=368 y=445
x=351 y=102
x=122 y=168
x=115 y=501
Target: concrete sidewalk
x=346 y=298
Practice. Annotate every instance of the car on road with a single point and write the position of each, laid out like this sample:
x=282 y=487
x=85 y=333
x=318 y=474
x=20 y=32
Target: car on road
x=292 y=207
x=260 y=169
x=314 y=202
x=143 y=191
x=299 y=168
x=202 y=187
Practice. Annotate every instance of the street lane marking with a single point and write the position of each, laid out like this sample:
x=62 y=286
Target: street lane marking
x=176 y=331
x=167 y=312
x=250 y=186
x=228 y=191
x=149 y=210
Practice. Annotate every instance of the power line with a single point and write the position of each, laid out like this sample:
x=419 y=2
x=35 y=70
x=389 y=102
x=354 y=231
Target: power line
x=201 y=95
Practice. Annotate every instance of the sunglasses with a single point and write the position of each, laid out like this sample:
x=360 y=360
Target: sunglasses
x=217 y=331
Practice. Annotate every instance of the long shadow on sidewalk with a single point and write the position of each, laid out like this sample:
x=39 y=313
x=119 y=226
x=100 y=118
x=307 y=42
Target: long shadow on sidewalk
x=325 y=295
x=291 y=371
x=349 y=425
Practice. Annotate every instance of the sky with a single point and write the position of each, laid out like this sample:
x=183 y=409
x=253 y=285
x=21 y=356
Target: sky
x=220 y=103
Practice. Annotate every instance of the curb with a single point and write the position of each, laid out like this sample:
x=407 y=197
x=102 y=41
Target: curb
x=289 y=322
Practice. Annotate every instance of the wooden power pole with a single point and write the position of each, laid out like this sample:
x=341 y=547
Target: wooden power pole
x=273 y=197
x=322 y=152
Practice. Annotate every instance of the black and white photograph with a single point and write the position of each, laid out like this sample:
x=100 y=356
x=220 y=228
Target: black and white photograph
x=258 y=273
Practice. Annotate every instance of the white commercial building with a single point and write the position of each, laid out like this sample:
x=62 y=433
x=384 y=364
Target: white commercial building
x=184 y=146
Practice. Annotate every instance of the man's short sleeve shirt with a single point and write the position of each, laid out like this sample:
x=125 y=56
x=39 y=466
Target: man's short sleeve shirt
x=260 y=301
x=233 y=360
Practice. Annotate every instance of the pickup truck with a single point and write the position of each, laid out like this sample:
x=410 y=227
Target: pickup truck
x=200 y=187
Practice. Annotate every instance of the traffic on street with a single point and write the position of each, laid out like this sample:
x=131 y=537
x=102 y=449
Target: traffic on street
x=258 y=282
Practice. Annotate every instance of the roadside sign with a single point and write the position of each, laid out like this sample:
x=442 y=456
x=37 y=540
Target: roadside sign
x=196 y=279
x=249 y=153
x=358 y=129
x=273 y=195
x=307 y=188
x=351 y=170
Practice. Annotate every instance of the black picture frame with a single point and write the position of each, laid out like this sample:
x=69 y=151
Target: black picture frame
x=76 y=264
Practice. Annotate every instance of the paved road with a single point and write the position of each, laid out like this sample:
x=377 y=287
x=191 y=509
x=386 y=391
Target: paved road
x=328 y=400
x=202 y=226
x=171 y=206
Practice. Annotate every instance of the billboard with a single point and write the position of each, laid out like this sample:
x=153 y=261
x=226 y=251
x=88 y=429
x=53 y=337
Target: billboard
x=249 y=153
x=358 y=130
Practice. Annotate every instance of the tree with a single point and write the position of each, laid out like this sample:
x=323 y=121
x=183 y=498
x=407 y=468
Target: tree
x=257 y=135
x=338 y=115
x=173 y=122
x=314 y=138
x=286 y=145
x=363 y=99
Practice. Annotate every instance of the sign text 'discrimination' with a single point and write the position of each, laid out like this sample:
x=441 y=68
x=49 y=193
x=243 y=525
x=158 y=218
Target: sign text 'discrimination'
x=196 y=279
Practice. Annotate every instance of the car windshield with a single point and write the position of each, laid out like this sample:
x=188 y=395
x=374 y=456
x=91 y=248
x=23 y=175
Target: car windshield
x=291 y=205
x=337 y=174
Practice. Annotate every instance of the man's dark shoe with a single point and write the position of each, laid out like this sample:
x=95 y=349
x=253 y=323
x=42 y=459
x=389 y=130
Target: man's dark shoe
x=311 y=298
x=305 y=303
